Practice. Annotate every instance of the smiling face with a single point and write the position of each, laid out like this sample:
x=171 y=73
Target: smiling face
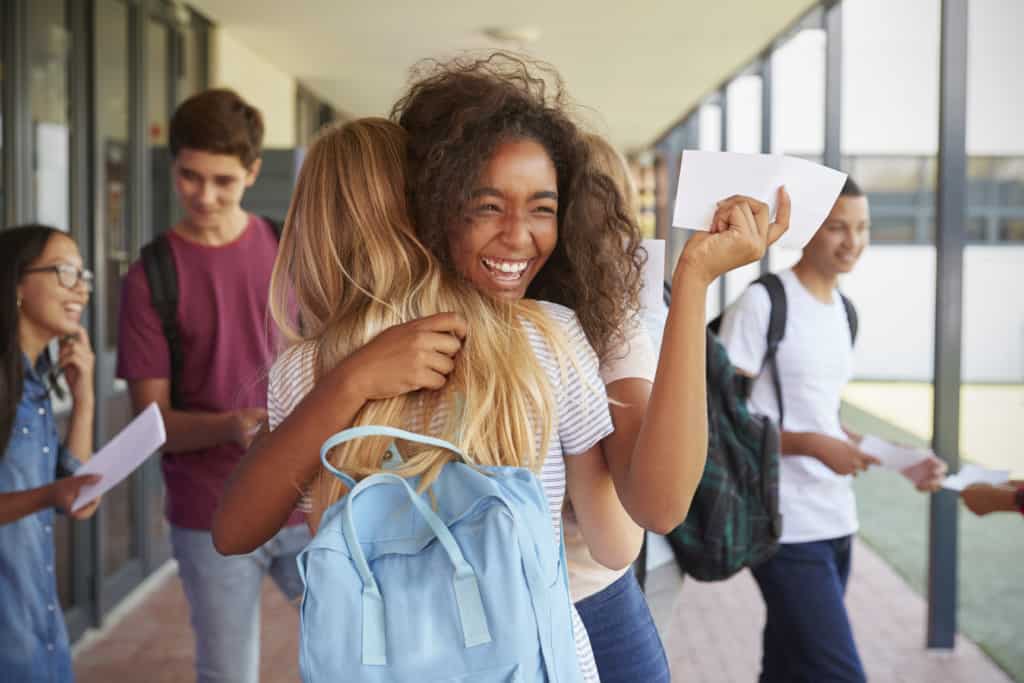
x=839 y=243
x=48 y=308
x=511 y=221
x=210 y=186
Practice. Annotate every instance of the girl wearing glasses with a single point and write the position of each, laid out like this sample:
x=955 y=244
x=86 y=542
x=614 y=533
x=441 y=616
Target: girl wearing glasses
x=43 y=290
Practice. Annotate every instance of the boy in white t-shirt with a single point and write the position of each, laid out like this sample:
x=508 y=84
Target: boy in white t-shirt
x=807 y=635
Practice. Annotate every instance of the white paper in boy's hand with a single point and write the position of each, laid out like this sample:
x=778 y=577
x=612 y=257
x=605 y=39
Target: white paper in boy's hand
x=893 y=457
x=652 y=293
x=973 y=474
x=706 y=178
x=122 y=455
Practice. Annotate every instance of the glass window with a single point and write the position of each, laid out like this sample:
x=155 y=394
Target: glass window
x=1011 y=230
x=192 y=78
x=163 y=210
x=798 y=104
x=114 y=178
x=798 y=95
x=49 y=106
x=743 y=96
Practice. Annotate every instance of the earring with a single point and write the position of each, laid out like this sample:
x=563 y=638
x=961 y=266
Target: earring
x=19 y=302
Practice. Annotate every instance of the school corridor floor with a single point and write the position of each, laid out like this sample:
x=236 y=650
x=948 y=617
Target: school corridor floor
x=711 y=633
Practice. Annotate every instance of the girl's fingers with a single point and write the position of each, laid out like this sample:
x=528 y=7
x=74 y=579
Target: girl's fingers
x=751 y=224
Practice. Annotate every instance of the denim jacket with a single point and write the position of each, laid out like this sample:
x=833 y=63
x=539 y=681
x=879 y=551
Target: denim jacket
x=33 y=638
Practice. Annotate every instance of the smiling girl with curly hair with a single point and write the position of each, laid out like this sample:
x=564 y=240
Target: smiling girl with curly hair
x=504 y=188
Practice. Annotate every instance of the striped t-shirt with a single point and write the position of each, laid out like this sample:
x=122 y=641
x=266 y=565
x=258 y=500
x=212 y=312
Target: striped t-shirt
x=582 y=418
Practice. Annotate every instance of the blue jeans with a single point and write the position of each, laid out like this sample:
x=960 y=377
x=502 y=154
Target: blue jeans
x=622 y=634
x=224 y=598
x=807 y=635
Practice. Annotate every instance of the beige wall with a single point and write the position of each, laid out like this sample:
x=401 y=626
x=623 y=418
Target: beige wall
x=265 y=86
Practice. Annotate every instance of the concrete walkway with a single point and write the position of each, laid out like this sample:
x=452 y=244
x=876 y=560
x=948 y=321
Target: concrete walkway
x=712 y=633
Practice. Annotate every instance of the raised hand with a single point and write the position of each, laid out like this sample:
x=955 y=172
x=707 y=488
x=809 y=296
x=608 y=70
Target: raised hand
x=741 y=232
x=78 y=361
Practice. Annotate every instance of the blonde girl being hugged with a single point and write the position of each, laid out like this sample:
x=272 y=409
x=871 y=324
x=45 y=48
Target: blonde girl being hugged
x=381 y=334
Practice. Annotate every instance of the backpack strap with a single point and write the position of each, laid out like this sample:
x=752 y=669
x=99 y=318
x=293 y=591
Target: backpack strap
x=851 y=317
x=465 y=583
x=162 y=277
x=776 y=331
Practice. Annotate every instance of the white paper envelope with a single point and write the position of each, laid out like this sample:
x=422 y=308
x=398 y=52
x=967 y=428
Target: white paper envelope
x=705 y=178
x=893 y=457
x=974 y=474
x=652 y=293
x=122 y=455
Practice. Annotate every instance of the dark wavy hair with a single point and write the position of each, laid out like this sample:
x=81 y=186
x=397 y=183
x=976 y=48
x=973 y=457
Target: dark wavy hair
x=19 y=248
x=456 y=114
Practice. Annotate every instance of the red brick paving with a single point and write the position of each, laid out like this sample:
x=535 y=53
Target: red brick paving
x=712 y=633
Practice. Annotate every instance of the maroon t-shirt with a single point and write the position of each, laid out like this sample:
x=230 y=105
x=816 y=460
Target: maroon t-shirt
x=227 y=346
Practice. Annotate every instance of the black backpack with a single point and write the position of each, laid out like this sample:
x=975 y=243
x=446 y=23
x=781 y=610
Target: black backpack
x=162 y=277
x=734 y=520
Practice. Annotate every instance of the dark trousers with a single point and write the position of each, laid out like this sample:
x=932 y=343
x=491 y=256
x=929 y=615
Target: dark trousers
x=807 y=635
x=626 y=644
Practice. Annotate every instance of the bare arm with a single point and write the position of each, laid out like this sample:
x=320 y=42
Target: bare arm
x=657 y=452
x=60 y=494
x=268 y=483
x=78 y=361
x=194 y=431
x=657 y=478
x=612 y=536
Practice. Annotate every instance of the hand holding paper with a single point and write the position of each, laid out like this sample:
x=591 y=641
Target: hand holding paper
x=122 y=455
x=705 y=178
x=973 y=474
x=892 y=457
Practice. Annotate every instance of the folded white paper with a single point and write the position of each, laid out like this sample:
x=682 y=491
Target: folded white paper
x=652 y=293
x=706 y=178
x=122 y=455
x=973 y=474
x=893 y=457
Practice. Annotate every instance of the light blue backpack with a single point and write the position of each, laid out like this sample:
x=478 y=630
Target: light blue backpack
x=467 y=587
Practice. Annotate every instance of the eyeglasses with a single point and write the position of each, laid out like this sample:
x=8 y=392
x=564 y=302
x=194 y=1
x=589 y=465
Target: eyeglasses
x=67 y=275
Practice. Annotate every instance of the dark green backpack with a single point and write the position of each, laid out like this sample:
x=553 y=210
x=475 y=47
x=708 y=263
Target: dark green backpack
x=734 y=520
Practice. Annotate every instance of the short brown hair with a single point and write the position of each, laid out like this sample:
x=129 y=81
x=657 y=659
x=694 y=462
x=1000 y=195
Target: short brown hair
x=218 y=121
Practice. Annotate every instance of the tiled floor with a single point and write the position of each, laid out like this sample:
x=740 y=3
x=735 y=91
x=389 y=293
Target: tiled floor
x=711 y=632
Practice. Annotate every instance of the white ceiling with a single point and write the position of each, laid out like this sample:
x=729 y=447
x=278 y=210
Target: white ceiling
x=636 y=66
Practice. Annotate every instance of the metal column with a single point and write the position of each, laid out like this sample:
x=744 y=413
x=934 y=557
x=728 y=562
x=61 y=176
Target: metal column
x=950 y=211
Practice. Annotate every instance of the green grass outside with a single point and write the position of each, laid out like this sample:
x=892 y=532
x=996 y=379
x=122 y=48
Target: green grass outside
x=894 y=521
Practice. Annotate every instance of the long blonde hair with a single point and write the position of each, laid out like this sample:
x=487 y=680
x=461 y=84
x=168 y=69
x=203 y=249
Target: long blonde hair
x=350 y=266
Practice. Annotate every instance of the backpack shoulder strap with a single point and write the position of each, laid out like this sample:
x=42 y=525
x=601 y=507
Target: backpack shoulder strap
x=776 y=330
x=162 y=277
x=851 y=317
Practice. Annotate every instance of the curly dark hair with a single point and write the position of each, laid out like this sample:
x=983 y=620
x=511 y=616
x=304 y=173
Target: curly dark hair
x=456 y=114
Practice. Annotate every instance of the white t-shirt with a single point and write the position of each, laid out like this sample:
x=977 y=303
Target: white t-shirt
x=582 y=420
x=635 y=359
x=815 y=361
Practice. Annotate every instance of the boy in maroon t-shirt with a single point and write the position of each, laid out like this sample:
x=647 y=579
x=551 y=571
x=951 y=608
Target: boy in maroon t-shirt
x=223 y=257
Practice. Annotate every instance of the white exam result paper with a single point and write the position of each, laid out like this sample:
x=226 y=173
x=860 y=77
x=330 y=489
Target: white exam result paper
x=974 y=474
x=122 y=454
x=652 y=292
x=705 y=178
x=893 y=457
